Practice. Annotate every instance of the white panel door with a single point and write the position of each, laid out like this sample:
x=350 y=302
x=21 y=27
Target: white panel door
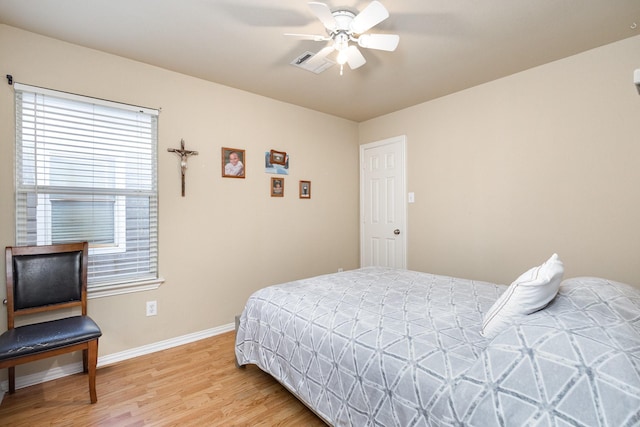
x=382 y=203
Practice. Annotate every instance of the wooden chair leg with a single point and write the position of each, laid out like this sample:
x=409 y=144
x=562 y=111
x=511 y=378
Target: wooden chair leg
x=85 y=360
x=92 y=361
x=12 y=379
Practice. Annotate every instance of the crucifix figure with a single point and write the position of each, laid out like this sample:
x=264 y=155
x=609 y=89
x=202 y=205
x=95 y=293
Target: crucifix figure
x=184 y=154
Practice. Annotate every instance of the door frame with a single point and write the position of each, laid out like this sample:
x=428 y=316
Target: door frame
x=400 y=140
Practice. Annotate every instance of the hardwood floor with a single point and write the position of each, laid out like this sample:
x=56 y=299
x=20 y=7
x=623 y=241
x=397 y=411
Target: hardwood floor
x=196 y=384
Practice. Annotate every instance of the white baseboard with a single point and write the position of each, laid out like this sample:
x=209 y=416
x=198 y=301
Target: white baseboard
x=162 y=345
x=74 y=368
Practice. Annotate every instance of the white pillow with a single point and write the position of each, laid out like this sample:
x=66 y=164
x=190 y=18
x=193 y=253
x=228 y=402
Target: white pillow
x=530 y=292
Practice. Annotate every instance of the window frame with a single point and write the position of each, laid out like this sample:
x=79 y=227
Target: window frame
x=100 y=288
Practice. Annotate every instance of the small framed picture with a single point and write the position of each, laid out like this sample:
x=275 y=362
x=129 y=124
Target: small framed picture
x=278 y=157
x=305 y=189
x=277 y=187
x=233 y=163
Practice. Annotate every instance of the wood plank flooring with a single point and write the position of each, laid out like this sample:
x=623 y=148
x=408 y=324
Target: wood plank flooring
x=196 y=384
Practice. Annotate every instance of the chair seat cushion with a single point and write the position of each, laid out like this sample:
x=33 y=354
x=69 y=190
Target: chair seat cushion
x=46 y=336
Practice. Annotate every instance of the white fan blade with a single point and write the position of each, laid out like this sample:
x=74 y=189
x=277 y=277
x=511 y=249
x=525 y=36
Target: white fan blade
x=388 y=42
x=371 y=15
x=323 y=13
x=316 y=59
x=313 y=37
x=354 y=57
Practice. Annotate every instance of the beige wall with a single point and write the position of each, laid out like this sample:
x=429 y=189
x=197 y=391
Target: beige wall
x=509 y=172
x=227 y=237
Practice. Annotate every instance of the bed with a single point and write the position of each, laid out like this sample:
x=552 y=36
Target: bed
x=386 y=347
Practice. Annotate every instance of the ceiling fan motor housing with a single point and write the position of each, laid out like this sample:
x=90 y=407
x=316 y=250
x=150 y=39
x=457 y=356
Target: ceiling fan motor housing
x=343 y=21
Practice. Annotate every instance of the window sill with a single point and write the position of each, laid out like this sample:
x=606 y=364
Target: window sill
x=124 y=288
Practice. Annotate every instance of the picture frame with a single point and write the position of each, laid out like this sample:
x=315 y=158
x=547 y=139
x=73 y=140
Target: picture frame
x=234 y=163
x=275 y=168
x=278 y=157
x=305 y=189
x=277 y=187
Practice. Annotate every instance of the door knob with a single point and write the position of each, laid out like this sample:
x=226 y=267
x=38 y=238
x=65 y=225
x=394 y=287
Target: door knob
x=396 y=231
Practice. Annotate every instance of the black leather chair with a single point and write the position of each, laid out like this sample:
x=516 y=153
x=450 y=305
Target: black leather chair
x=46 y=278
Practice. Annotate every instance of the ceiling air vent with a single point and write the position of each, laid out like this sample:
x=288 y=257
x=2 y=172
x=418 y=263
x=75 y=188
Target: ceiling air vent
x=308 y=61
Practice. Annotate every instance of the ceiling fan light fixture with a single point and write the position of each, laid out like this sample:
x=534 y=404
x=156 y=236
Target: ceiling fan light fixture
x=342 y=57
x=341 y=41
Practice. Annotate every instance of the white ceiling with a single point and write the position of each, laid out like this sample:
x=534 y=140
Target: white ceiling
x=445 y=45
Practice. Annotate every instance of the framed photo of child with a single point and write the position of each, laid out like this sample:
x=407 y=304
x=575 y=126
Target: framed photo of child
x=277 y=187
x=233 y=163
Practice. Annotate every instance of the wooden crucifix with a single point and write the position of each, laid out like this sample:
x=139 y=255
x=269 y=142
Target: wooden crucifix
x=184 y=154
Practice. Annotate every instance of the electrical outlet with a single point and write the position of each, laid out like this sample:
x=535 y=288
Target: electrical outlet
x=152 y=308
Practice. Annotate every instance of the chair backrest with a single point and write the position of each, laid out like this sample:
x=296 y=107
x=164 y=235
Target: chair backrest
x=44 y=278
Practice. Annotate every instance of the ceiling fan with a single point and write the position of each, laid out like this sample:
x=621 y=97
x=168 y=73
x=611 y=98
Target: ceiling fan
x=344 y=27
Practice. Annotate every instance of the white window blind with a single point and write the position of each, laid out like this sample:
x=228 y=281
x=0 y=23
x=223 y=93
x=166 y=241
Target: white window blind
x=86 y=169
